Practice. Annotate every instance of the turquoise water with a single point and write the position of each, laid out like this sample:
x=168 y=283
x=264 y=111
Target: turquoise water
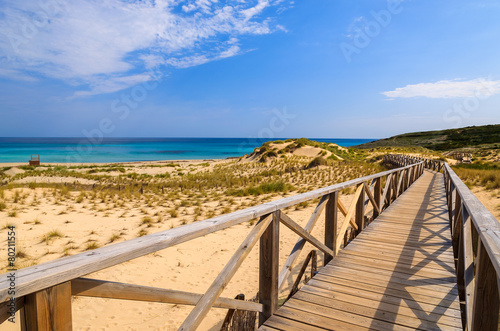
x=79 y=150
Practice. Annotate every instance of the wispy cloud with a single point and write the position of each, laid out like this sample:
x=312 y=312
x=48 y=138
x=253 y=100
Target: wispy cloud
x=356 y=27
x=448 y=89
x=108 y=45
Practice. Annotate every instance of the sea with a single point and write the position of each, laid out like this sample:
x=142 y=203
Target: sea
x=107 y=150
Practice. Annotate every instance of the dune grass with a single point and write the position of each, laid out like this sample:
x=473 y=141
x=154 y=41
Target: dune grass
x=486 y=174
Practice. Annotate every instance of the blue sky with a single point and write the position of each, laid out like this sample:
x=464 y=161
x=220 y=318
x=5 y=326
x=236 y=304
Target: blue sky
x=247 y=68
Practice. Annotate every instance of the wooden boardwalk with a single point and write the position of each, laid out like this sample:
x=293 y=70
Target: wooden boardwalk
x=397 y=274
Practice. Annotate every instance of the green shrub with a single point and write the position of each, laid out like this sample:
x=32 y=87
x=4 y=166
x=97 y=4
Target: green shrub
x=273 y=187
x=317 y=161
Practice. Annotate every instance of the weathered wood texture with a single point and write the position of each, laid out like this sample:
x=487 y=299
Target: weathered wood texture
x=269 y=268
x=476 y=240
x=397 y=274
x=113 y=290
x=203 y=306
x=49 y=309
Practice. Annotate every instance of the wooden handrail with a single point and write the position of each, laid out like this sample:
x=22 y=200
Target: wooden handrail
x=113 y=290
x=63 y=272
x=477 y=251
x=476 y=247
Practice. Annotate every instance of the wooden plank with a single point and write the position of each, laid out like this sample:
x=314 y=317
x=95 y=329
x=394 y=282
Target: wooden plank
x=290 y=261
x=393 y=243
x=350 y=212
x=49 y=309
x=468 y=272
x=424 y=312
x=316 y=320
x=408 y=256
x=403 y=268
x=267 y=328
x=408 y=237
x=6 y=308
x=485 y=311
x=394 y=187
x=423 y=232
x=281 y=323
x=429 y=263
x=360 y=209
x=269 y=269
x=344 y=211
x=388 y=284
x=203 y=306
x=391 y=316
x=113 y=290
x=401 y=221
x=345 y=316
x=383 y=276
x=458 y=211
x=412 y=256
x=327 y=283
x=409 y=242
x=331 y=221
x=386 y=195
x=377 y=197
x=443 y=252
x=292 y=225
x=399 y=189
x=334 y=290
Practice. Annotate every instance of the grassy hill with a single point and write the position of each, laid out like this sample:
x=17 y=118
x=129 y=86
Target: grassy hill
x=472 y=136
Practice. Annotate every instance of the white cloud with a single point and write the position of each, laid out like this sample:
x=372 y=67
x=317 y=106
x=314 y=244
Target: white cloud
x=356 y=27
x=251 y=12
x=113 y=84
x=448 y=89
x=14 y=74
x=88 y=42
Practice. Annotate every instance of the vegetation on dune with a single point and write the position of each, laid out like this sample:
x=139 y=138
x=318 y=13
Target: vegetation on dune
x=274 y=187
x=317 y=161
x=485 y=174
x=442 y=140
x=266 y=151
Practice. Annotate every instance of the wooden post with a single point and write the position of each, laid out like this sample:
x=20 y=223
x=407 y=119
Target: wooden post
x=486 y=306
x=468 y=265
x=269 y=268
x=457 y=213
x=377 y=194
x=49 y=309
x=389 y=190
x=331 y=220
x=394 y=193
x=360 y=211
x=450 y=203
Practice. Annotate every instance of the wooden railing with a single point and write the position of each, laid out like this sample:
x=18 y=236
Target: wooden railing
x=476 y=247
x=44 y=291
x=404 y=160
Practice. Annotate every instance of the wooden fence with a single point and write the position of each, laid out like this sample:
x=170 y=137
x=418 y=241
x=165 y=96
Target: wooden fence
x=43 y=292
x=476 y=244
x=476 y=247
